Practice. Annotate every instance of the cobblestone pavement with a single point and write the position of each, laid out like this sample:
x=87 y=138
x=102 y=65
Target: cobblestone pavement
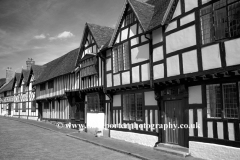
x=26 y=142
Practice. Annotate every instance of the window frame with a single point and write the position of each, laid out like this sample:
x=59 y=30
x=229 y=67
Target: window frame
x=128 y=111
x=121 y=51
x=24 y=106
x=223 y=105
x=213 y=24
x=50 y=84
x=97 y=107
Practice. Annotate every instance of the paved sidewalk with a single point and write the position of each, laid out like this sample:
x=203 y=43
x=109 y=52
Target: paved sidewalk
x=132 y=149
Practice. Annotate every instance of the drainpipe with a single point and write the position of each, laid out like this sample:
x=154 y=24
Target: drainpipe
x=150 y=58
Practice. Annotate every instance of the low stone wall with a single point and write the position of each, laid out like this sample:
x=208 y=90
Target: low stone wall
x=213 y=151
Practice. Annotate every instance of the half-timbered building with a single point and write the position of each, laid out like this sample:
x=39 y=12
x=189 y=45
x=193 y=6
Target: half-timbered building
x=24 y=94
x=92 y=76
x=56 y=80
x=6 y=93
x=177 y=62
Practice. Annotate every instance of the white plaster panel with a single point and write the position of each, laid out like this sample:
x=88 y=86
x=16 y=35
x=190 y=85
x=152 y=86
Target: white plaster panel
x=220 y=130
x=232 y=52
x=157 y=36
x=134 y=41
x=171 y=26
x=177 y=10
x=195 y=95
x=133 y=30
x=205 y=1
x=200 y=122
x=126 y=77
x=231 y=132
x=139 y=54
x=213 y=151
x=158 y=71
x=190 y=63
x=173 y=66
x=210 y=129
x=190 y=4
x=187 y=19
x=109 y=64
x=117 y=100
x=135 y=74
x=181 y=39
x=150 y=98
x=117 y=39
x=109 y=80
x=211 y=57
x=95 y=120
x=157 y=54
x=145 y=72
x=124 y=34
x=142 y=139
x=116 y=79
x=191 y=133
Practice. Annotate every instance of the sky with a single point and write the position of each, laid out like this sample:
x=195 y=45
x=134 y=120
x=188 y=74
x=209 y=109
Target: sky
x=47 y=29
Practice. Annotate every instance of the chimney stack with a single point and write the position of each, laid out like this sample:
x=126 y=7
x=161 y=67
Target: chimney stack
x=29 y=63
x=9 y=74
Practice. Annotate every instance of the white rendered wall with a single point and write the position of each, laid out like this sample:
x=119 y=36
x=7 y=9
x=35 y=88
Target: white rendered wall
x=116 y=79
x=181 y=39
x=195 y=95
x=135 y=74
x=133 y=30
x=211 y=151
x=145 y=72
x=108 y=64
x=126 y=77
x=150 y=98
x=158 y=71
x=190 y=63
x=211 y=57
x=124 y=34
x=143 y=139
x=158 y=54
x=117 y=100
x=190 y=4
x=109 y=80
x=140 y=54
x=187 y=19
x=173 y=66
x=177 y=10
x=171 y=26
x=232 y=52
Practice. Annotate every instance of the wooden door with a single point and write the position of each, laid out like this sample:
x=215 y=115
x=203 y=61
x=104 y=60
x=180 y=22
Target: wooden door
x=174 y=118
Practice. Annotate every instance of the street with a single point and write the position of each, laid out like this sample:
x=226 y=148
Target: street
x=22 y=141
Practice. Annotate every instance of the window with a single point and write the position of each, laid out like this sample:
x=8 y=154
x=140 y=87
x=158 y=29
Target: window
x=16 y=107
x=24 y=107
x=214 y=108
x=33 y=107
x=121 y=58
x=50 y=84
x=42 y=87
x=130 y=18
x=133 y=107
x=24 y=88
x=53 y=105
x=95 y=103
x=220 y=20
x=46 y=105
x=222 y=100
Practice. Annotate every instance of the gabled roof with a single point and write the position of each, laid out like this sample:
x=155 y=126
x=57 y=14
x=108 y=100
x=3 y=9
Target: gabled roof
x=101 y=34
x=8 y=87
x=37 y=70
x=58 y=67
x=25 y=74
x=17 y=78
x=150 y=14
x=2 y=82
